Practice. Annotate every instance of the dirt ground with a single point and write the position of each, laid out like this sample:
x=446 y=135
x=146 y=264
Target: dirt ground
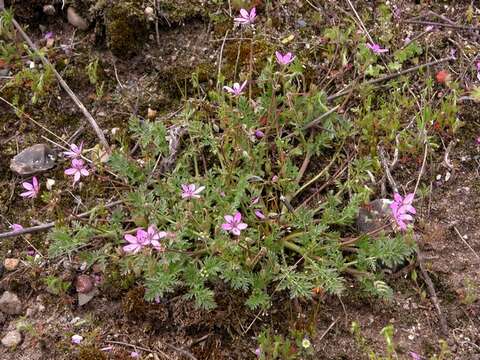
x=156 y=77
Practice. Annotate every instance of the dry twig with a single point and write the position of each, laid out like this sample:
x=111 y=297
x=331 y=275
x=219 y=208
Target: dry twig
x=50 y=225
x=432 y=292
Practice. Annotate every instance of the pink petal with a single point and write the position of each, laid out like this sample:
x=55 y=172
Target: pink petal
x=229 y=89
x=27 y=186
x=76 y=177
x=228 y=218
x=242 y=20
x=279 y=56
x=130 y=238
x=227 y=227
x=242 y=226
x=199 y=190
x=70 y=171
x=84 y=172
x=27 y=194
x=404 y=217
x=161 y=234
x=253 y=13
x=133 y=248
x=244 y=13
x=243 y=85
x=408 y=199
x=35 y=182
x=235 y=231
x=259 y=214
x=237 y=217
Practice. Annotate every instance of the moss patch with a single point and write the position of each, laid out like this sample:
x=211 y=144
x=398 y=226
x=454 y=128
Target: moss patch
x=126 y=28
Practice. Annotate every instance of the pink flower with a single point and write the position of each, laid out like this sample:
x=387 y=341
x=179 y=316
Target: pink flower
x=255 y=200
x=259 y=214
x=154 y=236
x=284 y=59
x=246 y=17
x=77 y=170
x=134 y=354
x=429 y=28
x=237 y=89
x=136 y=243
x=77 y=339
x=16 y=227
x=478 y=140
x=407 y=40
x=191 y=191
x=376 y=48
x=401 y=209
x=234 y=223
x=33 y=188
x=258 y=352
x=75 y=151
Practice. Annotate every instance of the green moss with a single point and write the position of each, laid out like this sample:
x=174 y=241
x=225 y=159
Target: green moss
x=134 y=305
x=126 y=28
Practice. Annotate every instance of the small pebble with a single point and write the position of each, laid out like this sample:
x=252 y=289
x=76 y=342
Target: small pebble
x=11 y=264
x=34 y=159
x=75 y=19
x=10 y=303
x=49 y=10
x=11 y=339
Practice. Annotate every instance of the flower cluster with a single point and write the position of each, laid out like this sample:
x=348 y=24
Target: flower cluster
x=402 y=210
x=246 y=18
x=150 y=237
x=78 y=167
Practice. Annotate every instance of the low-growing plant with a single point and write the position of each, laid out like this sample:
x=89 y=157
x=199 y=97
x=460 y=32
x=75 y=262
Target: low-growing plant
x=220 y=188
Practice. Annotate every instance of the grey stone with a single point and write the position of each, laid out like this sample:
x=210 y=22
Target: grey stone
x=374 y=215
x=84 y=298
x=49 y=9
x=75 y=19
x=34 y=159
x=12 y=338
x=10 y=303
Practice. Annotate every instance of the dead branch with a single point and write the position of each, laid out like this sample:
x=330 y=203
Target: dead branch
x=388 y=77
x=50 y=225
x=433 y=294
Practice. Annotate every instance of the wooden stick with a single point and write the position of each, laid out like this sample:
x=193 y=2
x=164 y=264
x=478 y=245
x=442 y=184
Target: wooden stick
x=433 y=294
x=64 y=85
x=434 y=23
x=388 y=77
x=49 y=225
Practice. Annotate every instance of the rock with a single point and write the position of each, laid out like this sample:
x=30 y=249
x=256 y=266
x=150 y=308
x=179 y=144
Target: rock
x=34 y=159
x=11 y=264
x=84 y=298
x=10 y=303
x=84 y=284
x=12 y=338
x=76 y=20
x=374 y=215
x=49 y=10
x=149 y=13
